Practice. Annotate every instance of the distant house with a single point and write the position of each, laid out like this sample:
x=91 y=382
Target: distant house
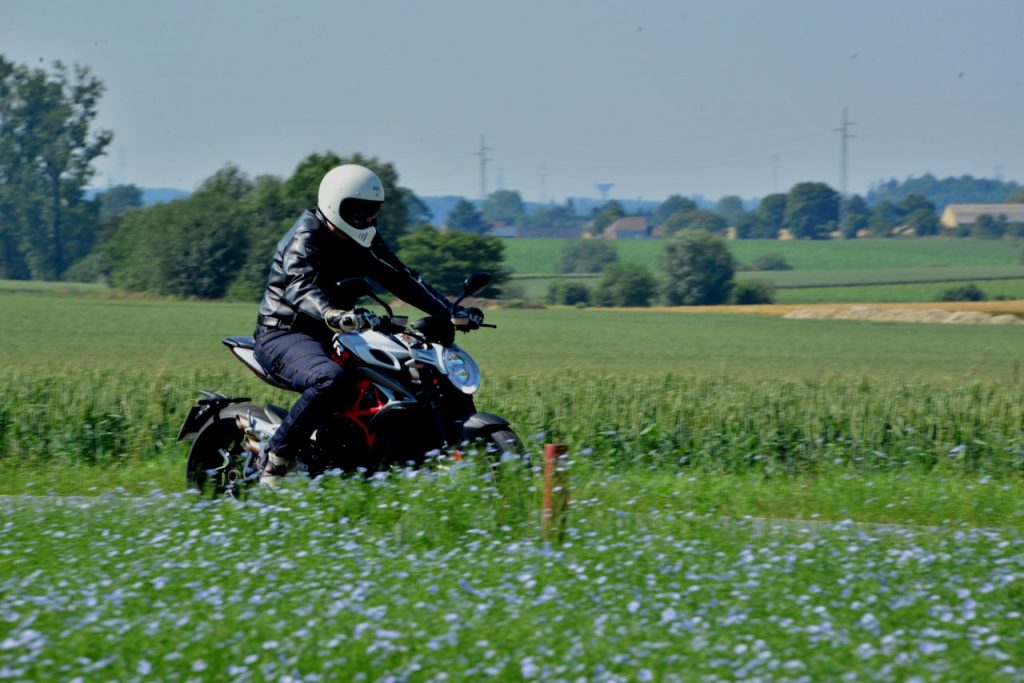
x=572 y=232
x=958 y=215
x=502 y=229
x=628 y=228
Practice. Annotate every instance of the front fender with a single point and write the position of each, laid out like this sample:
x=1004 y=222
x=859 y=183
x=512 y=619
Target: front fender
x=477 y=424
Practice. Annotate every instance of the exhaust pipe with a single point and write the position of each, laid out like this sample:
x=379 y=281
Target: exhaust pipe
x=250 y=441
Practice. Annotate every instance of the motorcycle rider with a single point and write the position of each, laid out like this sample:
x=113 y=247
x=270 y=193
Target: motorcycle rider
x=336 y=240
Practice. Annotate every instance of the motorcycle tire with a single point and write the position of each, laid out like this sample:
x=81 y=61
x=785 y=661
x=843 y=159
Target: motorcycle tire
x=216 y=461
x=503 y=442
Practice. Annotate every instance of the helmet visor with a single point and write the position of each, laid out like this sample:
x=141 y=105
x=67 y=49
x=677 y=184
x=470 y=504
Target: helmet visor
x=359 y=213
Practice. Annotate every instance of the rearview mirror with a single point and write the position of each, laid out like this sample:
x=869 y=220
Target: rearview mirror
x=353 y=288
x=475 y=282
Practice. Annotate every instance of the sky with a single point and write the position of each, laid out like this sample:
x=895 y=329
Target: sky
x=659 y=97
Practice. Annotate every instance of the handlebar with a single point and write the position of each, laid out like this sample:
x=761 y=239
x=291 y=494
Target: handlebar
x=399 y=324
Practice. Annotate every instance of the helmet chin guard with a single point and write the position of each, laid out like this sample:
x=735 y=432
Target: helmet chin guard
x=350 y=197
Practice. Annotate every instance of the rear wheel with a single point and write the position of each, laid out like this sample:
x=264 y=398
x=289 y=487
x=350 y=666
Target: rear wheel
x=217 y=461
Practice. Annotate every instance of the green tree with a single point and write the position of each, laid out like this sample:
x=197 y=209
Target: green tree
x=706 y=220
x=230 y=181
x=915 y=202
x=968 y=292
x=771 y=211
x=747 y=292
x=884 y=217
x=587 y=256
x=118 y=199
x=698 y=219
x=505 y=206
x=445 y=259
x=730 y=207
x=988 y=228
x=1017 y=197
x=812 y=210
x=963 y=190
x=189 y=248
x=751 y=227
x=923 y=221
x=269 y=219
x=47 y=146
x=608 y=214
x=674 y=204
x=553 y=216
x=699 y=269
x=568 y=293
x=769 y=262
x=855 y=216
x=626 y=284
x=466 y=218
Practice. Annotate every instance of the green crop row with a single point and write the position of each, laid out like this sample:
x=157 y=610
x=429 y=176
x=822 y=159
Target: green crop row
x=710 y=424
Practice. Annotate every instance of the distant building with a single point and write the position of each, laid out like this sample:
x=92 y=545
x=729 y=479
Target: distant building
x=568 y=232
x=958 y=215
x=627 y=228
x=502 y=229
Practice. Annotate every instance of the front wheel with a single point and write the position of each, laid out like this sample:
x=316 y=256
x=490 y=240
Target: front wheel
x=217 y=462
x=502 y=443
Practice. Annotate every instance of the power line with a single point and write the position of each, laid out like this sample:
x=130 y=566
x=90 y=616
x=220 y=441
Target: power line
x=844 y=135
x=484 y=149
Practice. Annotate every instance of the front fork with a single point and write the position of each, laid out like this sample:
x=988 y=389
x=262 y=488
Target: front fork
x=448 y=428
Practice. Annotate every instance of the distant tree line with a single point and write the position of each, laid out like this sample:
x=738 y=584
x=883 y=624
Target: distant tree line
x=219 y=241
x=963 y=190
x=695 y=268
x=810 y=210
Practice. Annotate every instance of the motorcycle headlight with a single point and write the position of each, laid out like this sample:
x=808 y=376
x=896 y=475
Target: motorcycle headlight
x=462 y=371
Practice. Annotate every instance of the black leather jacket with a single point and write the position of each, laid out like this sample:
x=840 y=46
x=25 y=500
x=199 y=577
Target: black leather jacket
x=310 y=260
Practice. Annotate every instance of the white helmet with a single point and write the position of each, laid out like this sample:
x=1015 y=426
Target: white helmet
x=350 y=197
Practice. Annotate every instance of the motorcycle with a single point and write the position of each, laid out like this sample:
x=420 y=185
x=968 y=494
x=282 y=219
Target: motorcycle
x=409 y=393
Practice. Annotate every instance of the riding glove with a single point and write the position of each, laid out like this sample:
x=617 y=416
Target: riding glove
x=470 y=317
x=350 y=321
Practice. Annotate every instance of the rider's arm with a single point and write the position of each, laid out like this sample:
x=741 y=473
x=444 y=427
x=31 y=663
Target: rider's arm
x=405 y=283
x=301 y=263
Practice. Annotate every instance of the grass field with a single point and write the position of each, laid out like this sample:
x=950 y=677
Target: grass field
x=837 y=270
x=688 y=434
x=540 y=256
x=48 y=332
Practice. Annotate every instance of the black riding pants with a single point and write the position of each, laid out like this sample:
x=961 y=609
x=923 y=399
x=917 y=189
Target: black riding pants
x=303 y=363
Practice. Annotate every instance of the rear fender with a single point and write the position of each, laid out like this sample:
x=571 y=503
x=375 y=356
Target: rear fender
x=214 y=406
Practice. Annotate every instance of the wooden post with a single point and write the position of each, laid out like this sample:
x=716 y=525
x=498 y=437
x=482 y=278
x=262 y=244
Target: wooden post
x=555 y=512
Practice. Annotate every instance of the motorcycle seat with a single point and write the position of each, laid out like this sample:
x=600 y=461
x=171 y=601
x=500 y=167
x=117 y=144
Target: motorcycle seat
x=240 y=342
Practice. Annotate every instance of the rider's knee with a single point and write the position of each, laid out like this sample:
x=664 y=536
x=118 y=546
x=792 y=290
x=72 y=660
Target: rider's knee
x=330 y=379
